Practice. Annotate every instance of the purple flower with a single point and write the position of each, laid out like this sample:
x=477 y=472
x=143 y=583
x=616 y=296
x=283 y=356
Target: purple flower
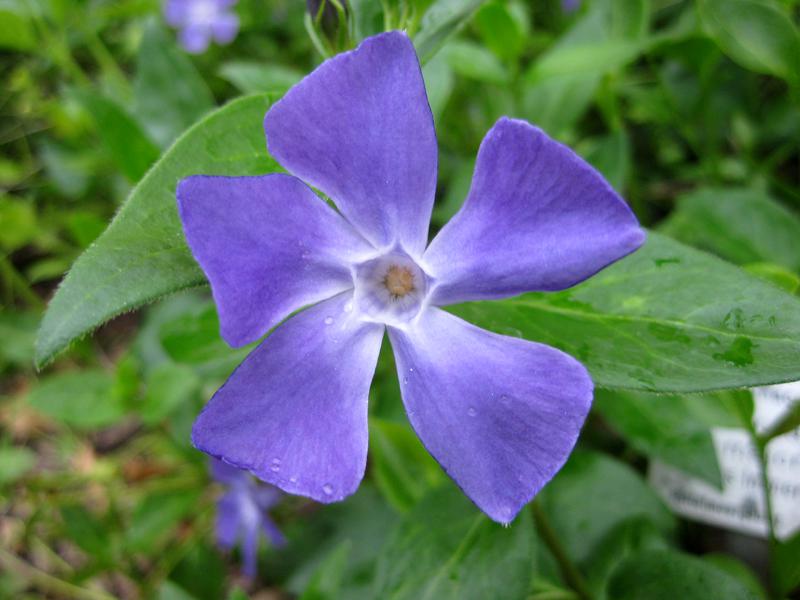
x=242 y=513
x=200 y=21
x=500 y=414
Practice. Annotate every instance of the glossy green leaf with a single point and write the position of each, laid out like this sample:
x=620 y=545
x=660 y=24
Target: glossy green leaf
x=326 y=582
x=438 y=75
x=170 y=95
x=755 y=33
x=402 y=468
x=786 y=564
x=611 y=155
x=667 y=575
x=739 y=224
x=775 y=274
x=251 y=77
x=591 y=496
x=156 y=518
x=83 y=399
x=502 y=28
x=666 y=318
x=475 y=62
x=674 y=429
x=446 y=549
x=142 y=255
x=168 y=387
x=16 y=32
x=123 y=139
x=629 y=538
x=443 y=19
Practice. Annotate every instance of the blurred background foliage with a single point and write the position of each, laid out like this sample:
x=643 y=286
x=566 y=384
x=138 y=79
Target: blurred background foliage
x=689 y=108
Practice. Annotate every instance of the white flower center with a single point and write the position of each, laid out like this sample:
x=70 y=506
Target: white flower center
x=390 y=289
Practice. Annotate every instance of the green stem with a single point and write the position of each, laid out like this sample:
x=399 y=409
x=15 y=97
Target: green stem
x=46 y=582
x=788 y=422
x=569 y=571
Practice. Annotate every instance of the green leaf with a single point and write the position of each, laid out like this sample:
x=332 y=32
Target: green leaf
x=674 y=429
x=193 y=338
x=83 y=399
x=168 y=387
x=611 y=155
x=170 y=95
x=87 y=532
x=15 y=462
x=739 y=224
x=446 y=549
x=156 y=518
x=439 y=83
x=591 y=496
x=786 y=566
x=142 y=255
x=18 y=332
x=16 y=32
x=251 y=77
x=326 y=582
x=667 y=575
x=755 y=33
x=502 y=29
x=19 y=223
x=737 y=569
x=629 y=538
x=123 y=139
x=667 y=318
x=775 y=274
x=402 y=468
x=443 y=19
x=475 y=62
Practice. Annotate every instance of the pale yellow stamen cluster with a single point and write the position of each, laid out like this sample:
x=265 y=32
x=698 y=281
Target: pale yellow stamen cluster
x=399 y=281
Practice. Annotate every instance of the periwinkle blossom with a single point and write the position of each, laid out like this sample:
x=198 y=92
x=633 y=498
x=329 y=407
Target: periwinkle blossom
x=500 y=414
x=200 y=21
x=242 y=515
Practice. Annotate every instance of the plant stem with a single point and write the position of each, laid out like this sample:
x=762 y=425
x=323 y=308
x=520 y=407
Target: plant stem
x=46 y=582
x=568 y=569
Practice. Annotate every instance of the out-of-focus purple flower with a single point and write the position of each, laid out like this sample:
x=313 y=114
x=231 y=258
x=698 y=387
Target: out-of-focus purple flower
x=499 y=413
x=200 y=21
x=242 y=513
x=569 y=6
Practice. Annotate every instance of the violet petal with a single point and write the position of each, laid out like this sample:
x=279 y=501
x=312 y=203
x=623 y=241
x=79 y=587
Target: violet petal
x=360 y=129
x=537 y=217
x=268 y=246
x=500 y=414
x=294 y=413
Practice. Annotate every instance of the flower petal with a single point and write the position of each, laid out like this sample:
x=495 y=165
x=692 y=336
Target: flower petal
x=268 y=246
x=228 y=520
x=195 y=37
x=225 y=27
x=360 y=129
x=274 y=535
x=500 y=414
x=537 y=217
x=295 y=411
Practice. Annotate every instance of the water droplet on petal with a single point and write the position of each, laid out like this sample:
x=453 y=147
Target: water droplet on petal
x=405 y=380
x=276 y=465
x=471 y=411
x=293 y=479
x=410 y=369
x=505 y=399
x=328 y=489
x=348 y=307
x=328 y=320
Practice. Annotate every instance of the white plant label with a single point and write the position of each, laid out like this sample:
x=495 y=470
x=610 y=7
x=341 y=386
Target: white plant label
x=740 y=505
